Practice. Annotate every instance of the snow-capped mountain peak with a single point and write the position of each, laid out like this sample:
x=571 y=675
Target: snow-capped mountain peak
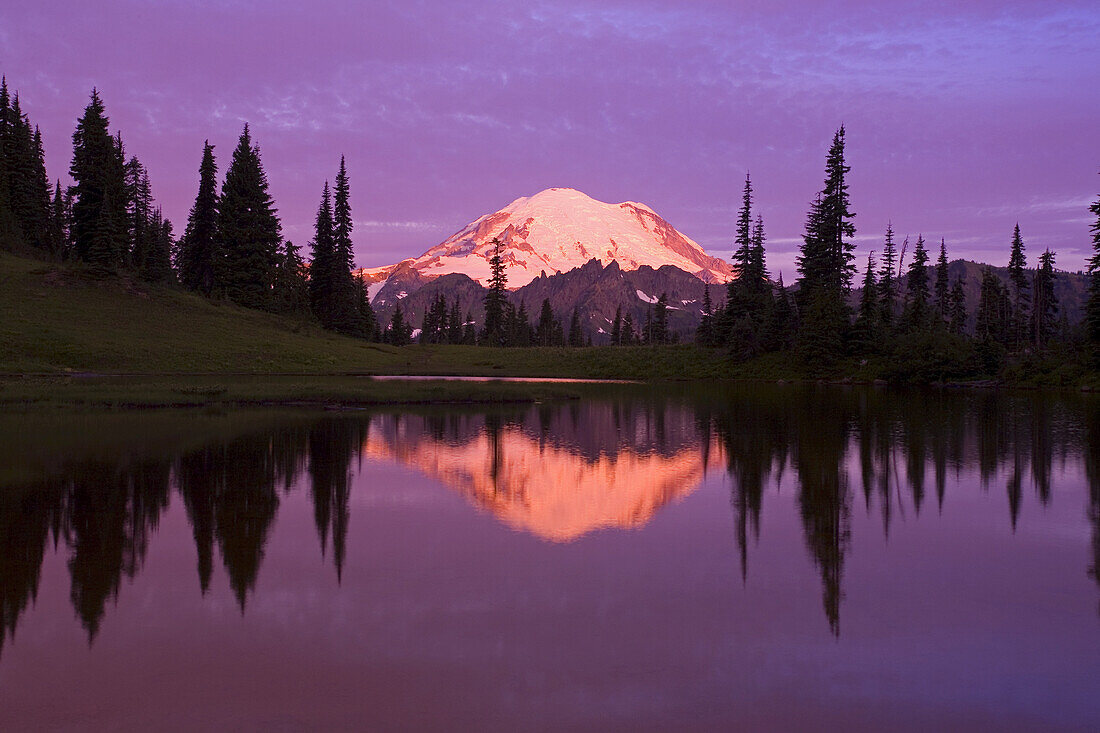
x=560 y=229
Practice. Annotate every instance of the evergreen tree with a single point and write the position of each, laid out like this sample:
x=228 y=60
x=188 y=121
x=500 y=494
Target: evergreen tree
x=291 y=289
x=742 y=253
x=527 y=334
x=496 y=298
x=469 y=330
x=660 y=334
x=559 y=333
x=957 y=323
x=617 y=326
x=10 y=235
x=249 y=232
x=628 y=337
x=1044 y=310
x=868 y=316
x=783 y=319
x=322 y=285
x=887 y=279
x=346 y=317
x=400 y=332
x=942 y=288
x=142 y=231
x=748 y=296
x=454 y=324
x=58 y=242
x=576 y=335
x=40 y=200
x=993 y=316
x=916 y=301
x=544 y=333
x=28 y=187
x=758 y=268
x=156 y=261
x=99 y=191
x=994 y=322
x=1092 y=308
x=825 y=262
x=704 y=334
x=1021 y=298
x=198 y=249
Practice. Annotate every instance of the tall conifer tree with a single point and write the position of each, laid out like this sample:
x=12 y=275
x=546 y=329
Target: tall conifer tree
x=916 y=301
x=198 y=251
x=742 y=253
x=1045 y=302
x=942 y=288
x=887 y=279
x=322 y=285
x=825 y=262
x=346 y=317
x=1092 y=309
x=11 y=236
x=1021 y=297
x=99 y=191
x=868 y=316
x=495 y=298
x=59 y=225
x=249 y=232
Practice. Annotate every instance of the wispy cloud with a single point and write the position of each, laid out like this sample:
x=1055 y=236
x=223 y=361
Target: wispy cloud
x=427 y=226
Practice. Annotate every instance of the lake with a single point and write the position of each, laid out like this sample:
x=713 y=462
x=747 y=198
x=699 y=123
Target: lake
x=761 y=557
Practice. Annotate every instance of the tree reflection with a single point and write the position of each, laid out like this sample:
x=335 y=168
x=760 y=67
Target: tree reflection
x=558 y=471
x=333 y=445
x=110 y=512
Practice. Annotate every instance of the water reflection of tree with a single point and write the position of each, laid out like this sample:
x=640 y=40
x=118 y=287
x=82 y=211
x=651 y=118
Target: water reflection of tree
x=109 y=513
x=333 y=445
x=900 y=437
x=106 y=511
x=26 y=519
x=749 y=441
x=1092 y=472
x=821 y=437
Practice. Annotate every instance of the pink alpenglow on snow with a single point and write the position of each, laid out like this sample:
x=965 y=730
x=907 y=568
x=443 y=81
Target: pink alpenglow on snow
x=558 y=230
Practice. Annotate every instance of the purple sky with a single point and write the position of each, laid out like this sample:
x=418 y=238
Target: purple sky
x=962 y=117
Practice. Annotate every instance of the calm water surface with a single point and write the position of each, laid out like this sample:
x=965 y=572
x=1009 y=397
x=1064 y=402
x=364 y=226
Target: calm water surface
x=789 y=558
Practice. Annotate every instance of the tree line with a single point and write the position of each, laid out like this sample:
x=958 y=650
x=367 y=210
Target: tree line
x=232 y=248
x=919 y=320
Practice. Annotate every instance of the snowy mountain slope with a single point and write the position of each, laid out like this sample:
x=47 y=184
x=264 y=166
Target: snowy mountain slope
x=560 y=229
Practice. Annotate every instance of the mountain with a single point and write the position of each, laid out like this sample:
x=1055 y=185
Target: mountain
x=558 y=230
x=595 y=290
x=558 y=474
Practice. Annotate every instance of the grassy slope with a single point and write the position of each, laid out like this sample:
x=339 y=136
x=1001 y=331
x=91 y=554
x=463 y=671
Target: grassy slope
x=58 y=320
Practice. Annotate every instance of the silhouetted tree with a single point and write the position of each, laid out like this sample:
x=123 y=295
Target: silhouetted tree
x=248 y=229
x=198 y=248
x=1045 y=303
x=942 y=290
x=825 y=262
x=99 y=191
x=916 y=300
x=495 y=298
x=1021 y=297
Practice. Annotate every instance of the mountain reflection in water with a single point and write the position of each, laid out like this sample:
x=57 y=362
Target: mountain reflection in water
x=96 y=487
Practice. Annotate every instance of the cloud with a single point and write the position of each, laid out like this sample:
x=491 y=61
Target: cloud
x=406 y=225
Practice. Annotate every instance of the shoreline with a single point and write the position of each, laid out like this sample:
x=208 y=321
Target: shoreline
x=349 y=392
